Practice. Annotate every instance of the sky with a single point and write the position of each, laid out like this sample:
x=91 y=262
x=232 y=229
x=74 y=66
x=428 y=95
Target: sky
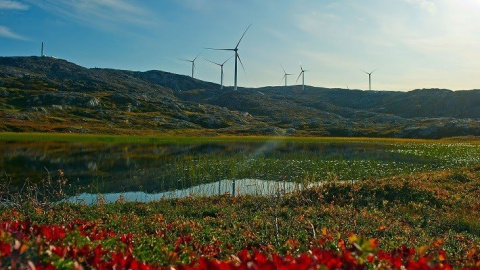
x=411 y=44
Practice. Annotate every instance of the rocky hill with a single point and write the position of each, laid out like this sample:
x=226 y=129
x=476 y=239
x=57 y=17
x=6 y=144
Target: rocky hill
x=45 y=94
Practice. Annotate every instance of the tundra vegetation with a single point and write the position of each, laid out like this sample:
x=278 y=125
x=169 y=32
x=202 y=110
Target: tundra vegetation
x=43 y=94
x=427 y=218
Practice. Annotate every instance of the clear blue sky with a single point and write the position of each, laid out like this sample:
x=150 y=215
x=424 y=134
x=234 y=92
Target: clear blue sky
x=412 y=43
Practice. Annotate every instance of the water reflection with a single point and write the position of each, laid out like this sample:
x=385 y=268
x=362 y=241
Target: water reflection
x=159 y=168
x=238 y=187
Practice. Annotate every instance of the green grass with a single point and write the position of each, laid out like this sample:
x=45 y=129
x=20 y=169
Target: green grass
x=429 y=190
x=65 y=137
x=412 y=210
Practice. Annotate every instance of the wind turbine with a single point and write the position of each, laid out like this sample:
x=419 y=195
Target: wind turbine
x=369 y=78
x=236 y=56
x=302 y=73
x=221 y=69
x=286 y=75
x=193 y=62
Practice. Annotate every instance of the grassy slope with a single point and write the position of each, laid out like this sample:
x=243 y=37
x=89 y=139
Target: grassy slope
x=53 y=95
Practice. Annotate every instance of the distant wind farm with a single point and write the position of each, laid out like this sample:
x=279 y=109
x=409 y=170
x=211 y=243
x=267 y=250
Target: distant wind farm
x=238 y=59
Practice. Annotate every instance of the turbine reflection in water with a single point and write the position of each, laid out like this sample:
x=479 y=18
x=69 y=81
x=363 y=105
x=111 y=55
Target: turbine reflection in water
x=266 y=147
x=243 y=187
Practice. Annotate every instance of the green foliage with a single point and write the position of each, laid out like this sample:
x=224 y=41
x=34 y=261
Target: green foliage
x=409 y=210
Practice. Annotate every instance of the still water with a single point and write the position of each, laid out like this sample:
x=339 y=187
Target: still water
x=142 y=170
x=233 y=187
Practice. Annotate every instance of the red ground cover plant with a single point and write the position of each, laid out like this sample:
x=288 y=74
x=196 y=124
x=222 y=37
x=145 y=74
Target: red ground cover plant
x=81 y=245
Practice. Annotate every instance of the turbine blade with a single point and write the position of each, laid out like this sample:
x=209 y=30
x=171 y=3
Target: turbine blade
x=212 y=62
x=283 y=69
x=197 y=56
x=219 y=49
x=364 y=71
x=184 y=60
x=299 y=76
x=227 y=60
x=242 y=65
x=243 y=36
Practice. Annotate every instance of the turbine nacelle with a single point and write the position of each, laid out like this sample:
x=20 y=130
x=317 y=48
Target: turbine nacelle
x=369 y=73
x=237 y=57
x=302 y=73
x=192 y=61
x=285 y=75
x=221 y=69
x=369 y=78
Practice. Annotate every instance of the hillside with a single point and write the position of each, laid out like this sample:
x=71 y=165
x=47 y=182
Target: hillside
x=43 y=94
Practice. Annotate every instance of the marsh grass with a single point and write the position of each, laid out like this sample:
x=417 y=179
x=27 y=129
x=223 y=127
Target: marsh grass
x=412 y=210
x=159 y=167
x=37 y=195
x=429 y=191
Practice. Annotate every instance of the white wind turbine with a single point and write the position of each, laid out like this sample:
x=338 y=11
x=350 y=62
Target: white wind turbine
x=237 y=57
x=302 y=73
x=221 y=69
x=286 y=75
x=193 y=63
x=369 y=78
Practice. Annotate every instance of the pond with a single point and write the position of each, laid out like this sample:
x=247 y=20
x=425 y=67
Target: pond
x=233 y=187
x=118 y=168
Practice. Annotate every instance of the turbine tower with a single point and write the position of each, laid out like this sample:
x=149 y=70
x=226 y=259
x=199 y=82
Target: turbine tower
x=193 y=63
x=42 y=54
x=286 y=75
x=237 y=57
x=302 y=73
x=369 y=78
x=221 y=69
